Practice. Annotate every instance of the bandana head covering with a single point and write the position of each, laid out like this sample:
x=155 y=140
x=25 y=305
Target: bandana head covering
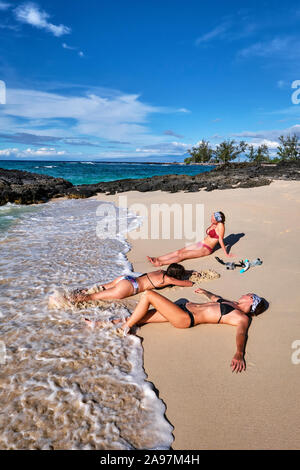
x=218 y=217
x=256 y=300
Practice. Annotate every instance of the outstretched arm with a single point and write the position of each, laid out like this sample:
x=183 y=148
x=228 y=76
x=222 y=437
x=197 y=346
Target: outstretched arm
x=238 y=362
x=178 y=282
x=208 y=294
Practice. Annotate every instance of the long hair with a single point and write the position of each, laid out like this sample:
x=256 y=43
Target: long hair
x=260 y=307
x=176 y=270
x=223 y=217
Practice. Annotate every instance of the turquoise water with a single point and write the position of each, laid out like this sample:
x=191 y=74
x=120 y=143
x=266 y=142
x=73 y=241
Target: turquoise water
x=86 y=173
x=94 y=172
x=10 y=214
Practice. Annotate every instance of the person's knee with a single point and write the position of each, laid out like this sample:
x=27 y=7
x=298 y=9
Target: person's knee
x=149 y=294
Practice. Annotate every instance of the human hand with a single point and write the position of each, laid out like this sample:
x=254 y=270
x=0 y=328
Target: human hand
x=200 y=291
x=230 y=255
x=238 y=363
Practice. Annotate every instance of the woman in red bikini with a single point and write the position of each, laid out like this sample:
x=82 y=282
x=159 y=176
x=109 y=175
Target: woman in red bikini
x=215 y=234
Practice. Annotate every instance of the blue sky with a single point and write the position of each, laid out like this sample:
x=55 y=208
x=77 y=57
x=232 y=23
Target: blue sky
x=145 y=80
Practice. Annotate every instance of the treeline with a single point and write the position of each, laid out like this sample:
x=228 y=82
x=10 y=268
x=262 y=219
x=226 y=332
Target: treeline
x=288 y=149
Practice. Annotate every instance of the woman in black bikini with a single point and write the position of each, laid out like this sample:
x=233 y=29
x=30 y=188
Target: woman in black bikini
x=125 y=286
x=185 y=314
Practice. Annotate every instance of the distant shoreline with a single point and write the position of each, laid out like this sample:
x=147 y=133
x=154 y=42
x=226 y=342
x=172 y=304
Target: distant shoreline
x=23 y=187
x=108 y=162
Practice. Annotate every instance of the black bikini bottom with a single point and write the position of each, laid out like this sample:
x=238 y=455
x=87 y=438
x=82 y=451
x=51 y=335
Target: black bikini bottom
x=182 y=304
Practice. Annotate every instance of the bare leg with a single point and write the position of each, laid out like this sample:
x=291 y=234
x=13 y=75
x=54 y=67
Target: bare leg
x=152 y=316
x=83 y=292
x=167 y=309
x=121 y=290
x=188 y=252
x=111 y=284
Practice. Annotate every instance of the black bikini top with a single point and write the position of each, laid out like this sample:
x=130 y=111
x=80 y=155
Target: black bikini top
x=155 y=287
x=224 y=307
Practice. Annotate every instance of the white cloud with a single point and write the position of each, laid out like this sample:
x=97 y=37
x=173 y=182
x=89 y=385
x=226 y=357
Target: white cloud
x=214 y=33
x=4 y=6
x=71 y=48
x=65 y=46
x=183 y=110
x=42 y=152
x=31 y=14
x=164 y=148
x=272 y=144
x=283 y=47
x=269 y=138
x=29 y=152
x=119 y=116
x=281 y=84
x=233 y=27
x=9 y=152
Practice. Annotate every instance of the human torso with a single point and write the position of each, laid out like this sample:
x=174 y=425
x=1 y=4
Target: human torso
x=210 y=312
x=212 y=236
x=151 y=280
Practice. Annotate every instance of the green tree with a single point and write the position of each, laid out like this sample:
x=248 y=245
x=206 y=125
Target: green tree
x=229 y=150
x=200 y=154
x=289 y=148
x=261 y=154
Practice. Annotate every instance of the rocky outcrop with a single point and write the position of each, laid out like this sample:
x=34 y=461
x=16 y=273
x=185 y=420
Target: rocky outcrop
x=234 y=175
x=23 y=187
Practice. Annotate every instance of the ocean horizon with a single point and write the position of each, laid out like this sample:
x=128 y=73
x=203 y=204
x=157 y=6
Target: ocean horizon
x=91 y=172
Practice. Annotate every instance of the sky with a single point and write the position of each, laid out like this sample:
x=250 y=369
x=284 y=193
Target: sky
x=145 y=80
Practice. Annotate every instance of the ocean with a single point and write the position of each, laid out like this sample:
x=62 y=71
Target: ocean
x=64 y=385
x=94 y=172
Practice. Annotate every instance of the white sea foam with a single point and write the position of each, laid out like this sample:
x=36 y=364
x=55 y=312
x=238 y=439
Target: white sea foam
x=65 y=385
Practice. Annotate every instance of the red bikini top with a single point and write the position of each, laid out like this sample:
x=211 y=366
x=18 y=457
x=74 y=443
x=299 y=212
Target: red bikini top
x=212 y=233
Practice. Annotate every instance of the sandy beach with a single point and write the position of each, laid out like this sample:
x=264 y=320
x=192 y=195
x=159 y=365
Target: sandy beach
x=209 y=406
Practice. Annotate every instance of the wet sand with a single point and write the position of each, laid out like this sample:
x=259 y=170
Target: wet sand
x=209 y=406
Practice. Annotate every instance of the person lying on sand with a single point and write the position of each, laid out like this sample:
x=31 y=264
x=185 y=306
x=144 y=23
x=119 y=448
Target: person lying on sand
x=125 y=286
x=185 y=314
x=215 y=234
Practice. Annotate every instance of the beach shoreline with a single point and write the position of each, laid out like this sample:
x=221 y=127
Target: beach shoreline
x=209 y=407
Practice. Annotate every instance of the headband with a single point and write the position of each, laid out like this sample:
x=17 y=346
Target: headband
x=256 y=300
x=218 y=216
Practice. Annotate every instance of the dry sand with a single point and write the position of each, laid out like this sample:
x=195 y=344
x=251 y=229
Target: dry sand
x=209 y=406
